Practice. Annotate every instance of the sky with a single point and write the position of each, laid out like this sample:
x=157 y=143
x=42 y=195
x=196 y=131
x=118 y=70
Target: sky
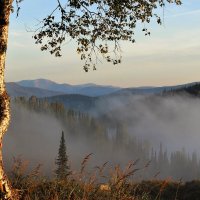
x=170 y=56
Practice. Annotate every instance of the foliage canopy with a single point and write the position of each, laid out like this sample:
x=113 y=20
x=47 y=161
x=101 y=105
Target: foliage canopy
x=97 y=26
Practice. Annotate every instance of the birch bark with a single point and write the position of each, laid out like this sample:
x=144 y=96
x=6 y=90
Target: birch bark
x=6 y=191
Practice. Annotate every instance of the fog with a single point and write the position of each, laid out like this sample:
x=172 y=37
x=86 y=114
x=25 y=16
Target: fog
x=35 y=137
x=172 y=121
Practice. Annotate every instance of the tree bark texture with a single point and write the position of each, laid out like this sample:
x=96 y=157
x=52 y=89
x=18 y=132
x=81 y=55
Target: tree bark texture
x=6 y=192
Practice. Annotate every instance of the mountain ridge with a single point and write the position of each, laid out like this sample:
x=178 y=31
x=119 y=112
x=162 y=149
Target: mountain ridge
x=88 y=89
x=15 y=90
x=48 y=88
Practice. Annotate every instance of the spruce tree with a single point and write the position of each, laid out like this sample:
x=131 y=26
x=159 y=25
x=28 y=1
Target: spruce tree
x=63 y=170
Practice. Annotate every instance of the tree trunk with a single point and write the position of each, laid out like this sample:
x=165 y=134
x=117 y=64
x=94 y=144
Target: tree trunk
x=6 y=192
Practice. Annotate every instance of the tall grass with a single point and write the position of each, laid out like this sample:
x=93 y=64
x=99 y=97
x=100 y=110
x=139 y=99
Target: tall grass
x=97 y=185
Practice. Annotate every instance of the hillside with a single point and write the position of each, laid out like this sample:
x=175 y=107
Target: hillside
x=47 y=88
x=75 y=101
x=15 y=90
x=104 y=103
x=155 y=90
x=94 y=100
x=89 y=89
x=192 y=90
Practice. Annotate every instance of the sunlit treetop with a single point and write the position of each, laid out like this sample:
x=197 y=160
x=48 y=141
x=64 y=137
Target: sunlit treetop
x=97 y=26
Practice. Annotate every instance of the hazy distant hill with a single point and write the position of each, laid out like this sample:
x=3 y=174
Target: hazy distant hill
x=153 y=90
x=88 y=103
x=89 y=89
x=190 y=89
x=85 y=97
x=94 y=90
x=15 y=90
x=75 y=101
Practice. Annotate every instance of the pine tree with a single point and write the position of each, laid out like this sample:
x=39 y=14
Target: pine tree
x=63 y=170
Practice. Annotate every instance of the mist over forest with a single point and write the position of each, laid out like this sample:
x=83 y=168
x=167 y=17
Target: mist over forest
x=171 y=120
x=161 y=129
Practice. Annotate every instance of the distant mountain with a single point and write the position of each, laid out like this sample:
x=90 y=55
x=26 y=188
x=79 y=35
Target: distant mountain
x=15 y=90
x=190 y=89
x=152 y=90
x=88 y=103
x=89 y=89
x=80 y=96
x=75 y=101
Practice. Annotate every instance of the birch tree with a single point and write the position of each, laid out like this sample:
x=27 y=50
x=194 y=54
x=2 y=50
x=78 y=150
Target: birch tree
x=97 y=26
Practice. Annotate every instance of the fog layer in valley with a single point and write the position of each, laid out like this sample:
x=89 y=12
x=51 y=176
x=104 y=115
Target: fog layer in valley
x=34 y=137
x=172 y=121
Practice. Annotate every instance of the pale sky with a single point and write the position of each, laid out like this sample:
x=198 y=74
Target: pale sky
x=170 y=56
